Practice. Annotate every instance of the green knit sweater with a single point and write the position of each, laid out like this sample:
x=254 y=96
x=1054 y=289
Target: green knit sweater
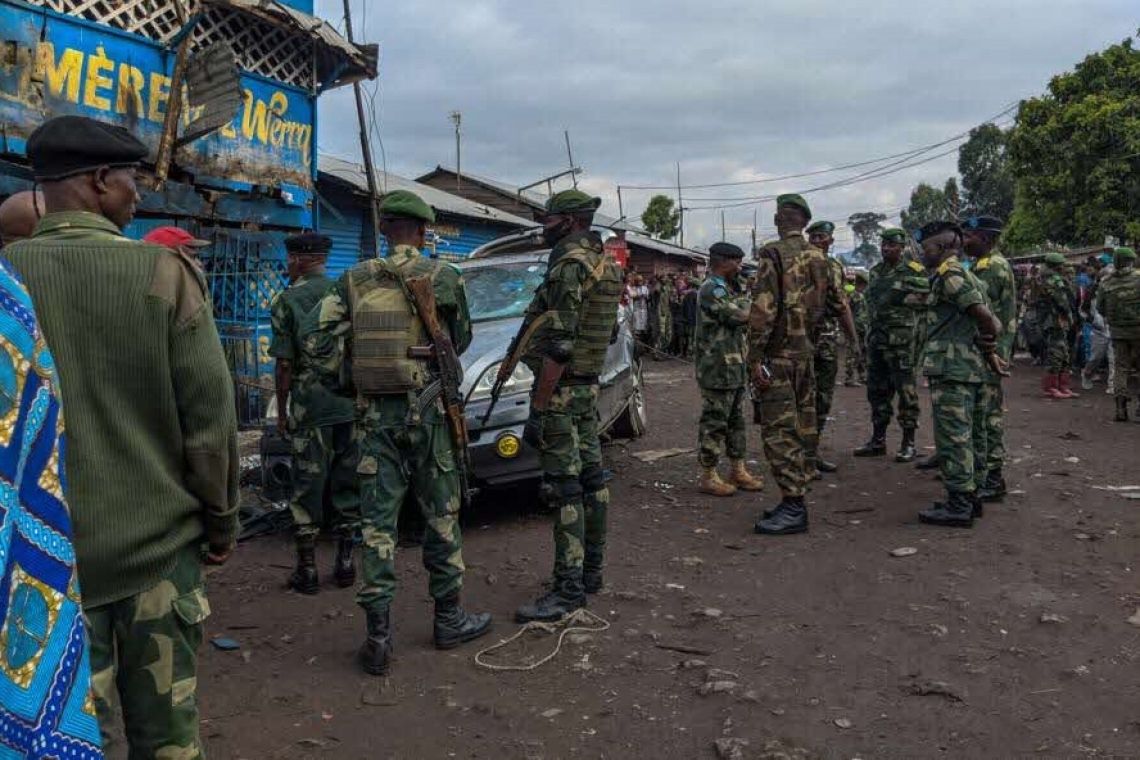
x=151 y=444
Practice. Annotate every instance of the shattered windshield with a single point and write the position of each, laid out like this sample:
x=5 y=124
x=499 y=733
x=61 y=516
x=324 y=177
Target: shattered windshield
x=502 y=291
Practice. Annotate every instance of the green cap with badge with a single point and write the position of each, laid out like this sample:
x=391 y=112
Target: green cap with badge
x=1054 y=259
x=403 y=203
x=1124 y=252
x=795 y=201
x=572 y=202
x=825 y=228
x=893 y=235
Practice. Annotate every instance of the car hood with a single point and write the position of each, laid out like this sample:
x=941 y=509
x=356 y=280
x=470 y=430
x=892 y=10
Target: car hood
x=489 y=344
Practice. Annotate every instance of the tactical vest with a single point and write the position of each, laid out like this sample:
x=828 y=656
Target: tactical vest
x=601 y=294
x=1124 y=300
x=384 y=327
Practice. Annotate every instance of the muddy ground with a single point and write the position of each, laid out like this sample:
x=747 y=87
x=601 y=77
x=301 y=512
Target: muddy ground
x=1011 y=639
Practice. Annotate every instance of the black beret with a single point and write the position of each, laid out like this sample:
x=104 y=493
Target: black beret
x=69 y=145
x=985 y=224
x=308 y=242
x=726 y=251
x=930 y=229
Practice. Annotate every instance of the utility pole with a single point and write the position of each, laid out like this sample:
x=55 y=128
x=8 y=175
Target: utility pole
x=754 y=220
x=570 y=157
x=722 y=230
x=365 y=144
x=621 y=211
x=680 y=205
x=458 y=119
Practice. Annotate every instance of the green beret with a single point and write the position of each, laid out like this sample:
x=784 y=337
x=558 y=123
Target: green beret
x=795 y=201
x=572 y=202
x=313 y=243
x=1124 y=252
x=827 y=228
x=893 y=235
x=407 y=204
x=70 y=145
x=1054 y=259
x=726 y=251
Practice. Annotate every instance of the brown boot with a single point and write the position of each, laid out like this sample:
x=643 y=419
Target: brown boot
x=712 y=484
x=740 y=477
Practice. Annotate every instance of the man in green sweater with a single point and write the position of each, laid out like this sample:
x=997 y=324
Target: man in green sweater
x=151 y=453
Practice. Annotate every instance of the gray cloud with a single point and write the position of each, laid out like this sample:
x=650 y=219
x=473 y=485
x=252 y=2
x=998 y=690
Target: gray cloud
x=733 y=89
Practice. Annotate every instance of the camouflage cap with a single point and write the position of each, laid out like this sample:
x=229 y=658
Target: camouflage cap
x=1054 y=259
x=1124 y=252
x=572 y=202
x=406 y=204
x=827 y=228
x=795 y=201
x=893 y=235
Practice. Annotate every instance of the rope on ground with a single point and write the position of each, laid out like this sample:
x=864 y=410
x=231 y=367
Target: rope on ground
x=581 y=620
x=660 y=354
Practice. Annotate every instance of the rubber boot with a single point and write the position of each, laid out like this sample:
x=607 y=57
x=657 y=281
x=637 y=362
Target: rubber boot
x=1121 y=409
x=712 y=484
x=877 y=446
x=788 y=518
x=344 y=567
x=566 y=596
x=993 y=488
x=304 y=579
x=1066 y=385
x=956 y=512
x=453 y=626
x=740 y=477
x=376 y=653
x=907 y=451
x=932 y=462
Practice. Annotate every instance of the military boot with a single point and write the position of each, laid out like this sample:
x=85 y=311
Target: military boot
x=712 y=484
x=740 y=477
x=823 y=465
x=789 y=517
x=592 y=580
x=907 y=451
x=344 y=566
x=877 y=446
x=304 y=579
x=931 y=462
x=453 y=626
x=1121 y=409
x=993 y=488
x=956 y=512
x=977 y=507
x=566 y=596
x=377 y=649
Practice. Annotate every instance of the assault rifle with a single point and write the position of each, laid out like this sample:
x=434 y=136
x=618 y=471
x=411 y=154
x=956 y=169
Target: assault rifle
x=514 y=354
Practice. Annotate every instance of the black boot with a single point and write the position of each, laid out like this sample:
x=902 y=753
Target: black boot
x=377 y=649
x=344 y=567
x=877 y=446
x=566 y=596
x=956 y=512
x=304 y=579
x=823 y=465
x=978 y=509
x=932 y=462
x=993 y=487
x=1121 y=409
x=592 y=580
x=789 y=517
x=453 y=626
x=907 y=452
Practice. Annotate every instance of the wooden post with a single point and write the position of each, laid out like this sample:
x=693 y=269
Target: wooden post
x=365 y=145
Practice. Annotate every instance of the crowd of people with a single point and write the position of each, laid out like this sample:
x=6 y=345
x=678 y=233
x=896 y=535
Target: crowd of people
x=664 y=311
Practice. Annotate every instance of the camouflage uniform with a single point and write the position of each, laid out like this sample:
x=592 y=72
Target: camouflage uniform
x=398 y=449
x=826 y=360
x=325 y=449
x=665 y=317
x=1055 y=295
x=892 y=315
x=722 y=369
x=856 y=362
x=996 y=277
x=1118 y=301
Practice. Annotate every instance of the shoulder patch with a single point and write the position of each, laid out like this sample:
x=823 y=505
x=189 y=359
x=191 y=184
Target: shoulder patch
x=917 y=267
x=943 y=268
x=982 y=264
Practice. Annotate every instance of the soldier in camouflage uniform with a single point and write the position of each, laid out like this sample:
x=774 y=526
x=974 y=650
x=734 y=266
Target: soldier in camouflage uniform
x=856 y=362
x=1055 y=296
x=789 y=303
x=961 y=349
x=722 y=372
x=896 y=297
x=1000 y=288
x=665 y=298
x=367 y=328
x=325 y=449
x=826 y=360
x=1118 y=301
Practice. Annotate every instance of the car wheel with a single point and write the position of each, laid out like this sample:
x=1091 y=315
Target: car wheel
x=631 y=422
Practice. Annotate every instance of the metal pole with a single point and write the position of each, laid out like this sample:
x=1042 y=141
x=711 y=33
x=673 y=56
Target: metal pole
x=174 y=104
x=722 y=231
x=570 y=157
x=680 y=205
x=621 y=213
x=365 y=144
x=458 y=119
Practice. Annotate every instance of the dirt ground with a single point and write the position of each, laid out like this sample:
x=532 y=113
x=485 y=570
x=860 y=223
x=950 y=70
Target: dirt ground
x=1011 y=639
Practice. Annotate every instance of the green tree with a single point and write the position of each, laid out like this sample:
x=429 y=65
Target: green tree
x=929 y=204
x=987 y=182
x=866 y=225
x=1075 y=153
x=660 y=219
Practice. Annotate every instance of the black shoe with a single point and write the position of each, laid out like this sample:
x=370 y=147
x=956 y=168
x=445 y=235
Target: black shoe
x=932 y=462
x=789 y=517
x=957 y=512
x=876 y=447
x=377 y=650
x=592 y=581
x=411 y=539
x=453 y=626
x=1121 y=409
x=304 y=579
x=907 y=451
x=993 y=487
x=344 y=567
x=553 y=606
x=823 y=465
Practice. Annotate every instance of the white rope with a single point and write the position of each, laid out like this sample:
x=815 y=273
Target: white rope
x=580 y=620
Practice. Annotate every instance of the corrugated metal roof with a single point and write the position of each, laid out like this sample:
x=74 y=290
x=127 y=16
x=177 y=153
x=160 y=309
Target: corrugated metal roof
x=353 y=173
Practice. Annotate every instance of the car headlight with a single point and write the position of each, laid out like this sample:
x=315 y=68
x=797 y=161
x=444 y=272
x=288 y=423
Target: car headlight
x=520 y=380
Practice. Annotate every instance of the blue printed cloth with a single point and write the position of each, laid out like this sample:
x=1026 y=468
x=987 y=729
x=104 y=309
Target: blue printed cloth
x=46 y=704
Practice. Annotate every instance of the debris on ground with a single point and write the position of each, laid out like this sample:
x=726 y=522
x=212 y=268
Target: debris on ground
x=655 y=455
x=904 y=551
x=730 y=748
x=927 y=688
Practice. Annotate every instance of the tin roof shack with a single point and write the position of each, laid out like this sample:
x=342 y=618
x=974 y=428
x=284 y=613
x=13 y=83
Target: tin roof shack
x=242 y=152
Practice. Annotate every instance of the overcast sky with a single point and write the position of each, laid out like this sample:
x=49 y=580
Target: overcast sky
x=733 y=89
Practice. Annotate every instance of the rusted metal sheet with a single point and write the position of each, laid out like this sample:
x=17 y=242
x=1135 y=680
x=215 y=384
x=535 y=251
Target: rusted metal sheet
x=214 y=86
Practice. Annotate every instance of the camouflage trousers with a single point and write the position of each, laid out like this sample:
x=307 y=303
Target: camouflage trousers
x=992 y=456
x=324 y=475
x=826 y=364
x=573 y=480
x=396 y=456
x=722 y=427
x=960 y=431
x=144 y=657
x=1057 y=351
x=788 y=425
x=1126 y=354
x=855 y=362
x=890 y=373
x=665 y=336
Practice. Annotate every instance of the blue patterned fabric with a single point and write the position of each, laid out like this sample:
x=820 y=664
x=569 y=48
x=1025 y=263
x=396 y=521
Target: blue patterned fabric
x=46 y=704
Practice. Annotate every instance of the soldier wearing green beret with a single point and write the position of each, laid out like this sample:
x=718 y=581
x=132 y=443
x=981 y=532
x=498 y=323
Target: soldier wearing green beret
x=855 y=365
x=1118 y=301
x=1054 y=296
x=578 y=301
x=896 y=298
x=365 y=344
x=319 y=421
